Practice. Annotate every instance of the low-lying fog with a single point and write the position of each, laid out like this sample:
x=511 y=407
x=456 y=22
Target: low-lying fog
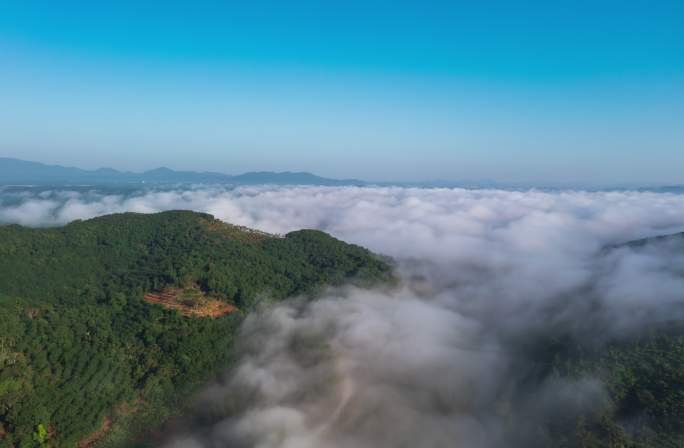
x=447 y=358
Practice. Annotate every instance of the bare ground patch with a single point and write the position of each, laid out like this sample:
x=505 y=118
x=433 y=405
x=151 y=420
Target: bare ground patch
x=190 y=302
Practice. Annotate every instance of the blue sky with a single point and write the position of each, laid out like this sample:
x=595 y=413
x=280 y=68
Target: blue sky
x=526 y=91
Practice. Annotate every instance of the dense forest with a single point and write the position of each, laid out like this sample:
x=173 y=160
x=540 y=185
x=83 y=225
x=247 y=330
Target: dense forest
x=635 y=384
x=78 y=343
x=644 y=378
x=643 y=374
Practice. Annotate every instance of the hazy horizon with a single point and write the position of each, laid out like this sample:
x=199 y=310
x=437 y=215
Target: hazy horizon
x=427 y=182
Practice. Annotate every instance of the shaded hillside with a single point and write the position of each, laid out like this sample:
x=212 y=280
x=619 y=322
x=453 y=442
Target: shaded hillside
x=674 y=239
x=78 y=340
x=642 y=372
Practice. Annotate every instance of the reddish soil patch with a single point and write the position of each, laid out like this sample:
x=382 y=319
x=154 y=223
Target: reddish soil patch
x=95 y=437
x=198 y=307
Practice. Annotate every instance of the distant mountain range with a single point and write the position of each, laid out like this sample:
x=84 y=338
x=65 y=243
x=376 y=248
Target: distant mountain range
x=21 y=172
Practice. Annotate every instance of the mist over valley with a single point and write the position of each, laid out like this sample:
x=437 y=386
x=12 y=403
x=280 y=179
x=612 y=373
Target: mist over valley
x=517 y=318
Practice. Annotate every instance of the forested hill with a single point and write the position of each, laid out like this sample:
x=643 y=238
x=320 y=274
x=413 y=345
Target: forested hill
x=81 y=347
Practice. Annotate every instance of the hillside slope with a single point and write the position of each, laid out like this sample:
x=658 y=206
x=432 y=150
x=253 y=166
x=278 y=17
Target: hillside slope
x=78 y=341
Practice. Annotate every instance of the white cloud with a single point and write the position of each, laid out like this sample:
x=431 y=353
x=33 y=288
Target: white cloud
x=441 y=360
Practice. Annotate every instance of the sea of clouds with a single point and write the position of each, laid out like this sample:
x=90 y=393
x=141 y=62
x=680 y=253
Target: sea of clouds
x=450 y=356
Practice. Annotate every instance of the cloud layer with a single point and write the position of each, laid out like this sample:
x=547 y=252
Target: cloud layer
x=449 y=357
